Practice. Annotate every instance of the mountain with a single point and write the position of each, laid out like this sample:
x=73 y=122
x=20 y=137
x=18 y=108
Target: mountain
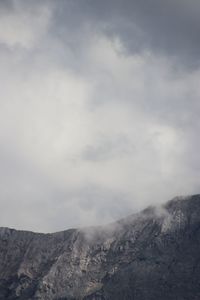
x=151 y=255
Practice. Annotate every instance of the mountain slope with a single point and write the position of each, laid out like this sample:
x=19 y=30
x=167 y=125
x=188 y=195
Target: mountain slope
x=151 y=255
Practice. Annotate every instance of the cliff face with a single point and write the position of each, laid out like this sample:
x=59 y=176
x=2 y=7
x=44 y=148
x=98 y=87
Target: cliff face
x=151 y=255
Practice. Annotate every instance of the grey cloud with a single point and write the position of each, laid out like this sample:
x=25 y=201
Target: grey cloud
x=108 y=148
x=23 y=23
x=99 y=110
x=164 y=27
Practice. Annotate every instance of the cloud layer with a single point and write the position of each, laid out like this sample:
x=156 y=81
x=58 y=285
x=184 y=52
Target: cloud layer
x=99 y=109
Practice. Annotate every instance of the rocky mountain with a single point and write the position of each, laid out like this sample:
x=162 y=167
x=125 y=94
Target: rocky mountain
x=151 y=255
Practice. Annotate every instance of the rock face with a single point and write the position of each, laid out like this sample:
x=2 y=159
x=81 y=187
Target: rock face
x=148 y=256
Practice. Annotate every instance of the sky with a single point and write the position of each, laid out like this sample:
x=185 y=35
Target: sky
x=99 y=109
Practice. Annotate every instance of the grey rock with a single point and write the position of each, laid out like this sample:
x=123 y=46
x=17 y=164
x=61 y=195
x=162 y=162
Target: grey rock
x=151 y=255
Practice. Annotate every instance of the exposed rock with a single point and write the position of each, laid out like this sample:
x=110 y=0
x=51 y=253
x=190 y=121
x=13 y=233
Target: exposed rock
x=147 y=256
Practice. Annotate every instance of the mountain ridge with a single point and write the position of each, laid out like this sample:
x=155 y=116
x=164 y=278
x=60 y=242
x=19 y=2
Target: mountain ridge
x=149 y=255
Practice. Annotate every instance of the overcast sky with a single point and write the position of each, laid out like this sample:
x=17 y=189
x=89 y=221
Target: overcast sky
x=99 y=109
